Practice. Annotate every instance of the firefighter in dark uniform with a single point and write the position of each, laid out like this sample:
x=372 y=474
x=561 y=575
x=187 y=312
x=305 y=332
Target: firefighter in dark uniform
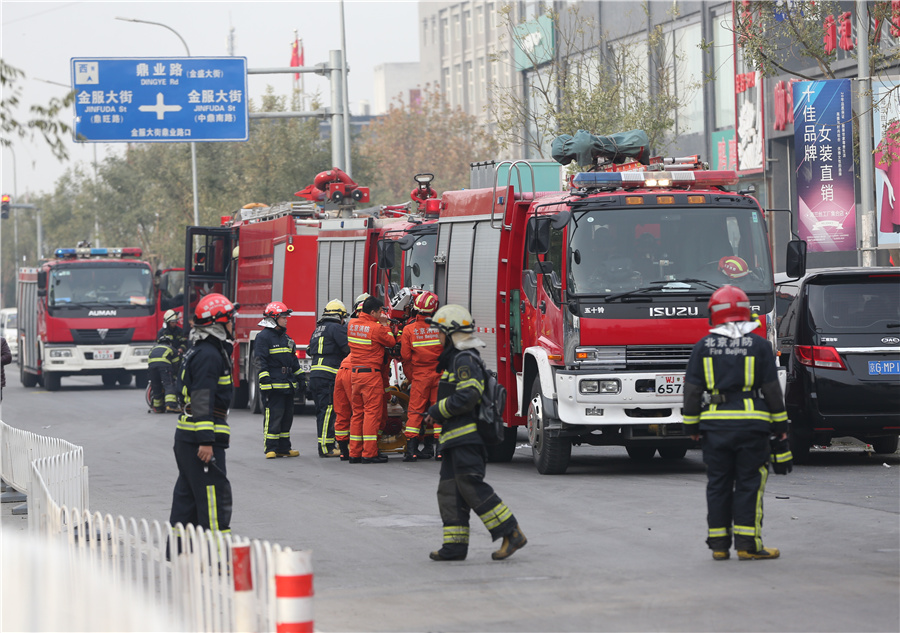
x=732 y=398
x=163 y=362
x=172 y=330
x=202 y=494
x=462 y=487
x=328 y=346
x=278 y=370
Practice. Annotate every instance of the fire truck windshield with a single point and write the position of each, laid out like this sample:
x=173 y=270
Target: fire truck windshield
x=107 y=284
x=420 y=263
x=686 y=249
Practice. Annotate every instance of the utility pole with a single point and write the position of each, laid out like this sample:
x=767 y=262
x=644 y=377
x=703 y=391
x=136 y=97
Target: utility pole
x=866 y=212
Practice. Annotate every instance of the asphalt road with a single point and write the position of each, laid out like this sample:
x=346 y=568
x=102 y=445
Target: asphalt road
x=613 y=545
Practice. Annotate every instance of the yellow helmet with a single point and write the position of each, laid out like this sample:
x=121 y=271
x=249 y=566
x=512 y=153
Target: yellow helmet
x=335 y=307
x=452 y=318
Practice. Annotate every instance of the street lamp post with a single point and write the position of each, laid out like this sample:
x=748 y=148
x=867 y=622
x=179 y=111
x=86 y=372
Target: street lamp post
x=15 y=212
x=193 y=144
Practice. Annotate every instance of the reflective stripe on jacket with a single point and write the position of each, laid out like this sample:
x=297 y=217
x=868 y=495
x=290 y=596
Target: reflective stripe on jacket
x=742 y=373
x=276 y=364
x=368 y=340
x=459 y=392
x=328 y=346
x=207 y=389
x=420 y=347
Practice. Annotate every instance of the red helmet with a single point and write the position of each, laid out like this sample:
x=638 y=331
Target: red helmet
x=426 y=303
x=728 y=303
x=214 y=308
x=734 y=266
x=276 y=309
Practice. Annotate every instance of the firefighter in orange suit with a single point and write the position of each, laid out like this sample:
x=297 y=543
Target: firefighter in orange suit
x=420 y=348
x=369 y=336
x=343 y=393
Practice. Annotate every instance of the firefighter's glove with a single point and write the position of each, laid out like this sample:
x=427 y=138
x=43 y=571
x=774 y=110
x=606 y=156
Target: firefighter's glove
x=782 y=461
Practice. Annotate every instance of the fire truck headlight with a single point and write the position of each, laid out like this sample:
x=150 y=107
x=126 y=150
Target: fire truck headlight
x=60 y=353
x=141 y=351
x=607 y=386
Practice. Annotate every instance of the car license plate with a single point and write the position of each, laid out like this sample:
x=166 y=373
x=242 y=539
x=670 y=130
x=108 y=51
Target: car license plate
x=305 y=364
x=104 y=354
x=879 y=367
x=669 y=384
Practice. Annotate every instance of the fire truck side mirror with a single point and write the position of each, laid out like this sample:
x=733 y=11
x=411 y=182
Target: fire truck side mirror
x=537 y=235
x=560 y=220
x=796 y=259
x=544 y=268
x=42 y=283
x=385 y=254
x=406 y=242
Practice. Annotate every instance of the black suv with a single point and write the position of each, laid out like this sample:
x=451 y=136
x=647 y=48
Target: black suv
x=839 y=337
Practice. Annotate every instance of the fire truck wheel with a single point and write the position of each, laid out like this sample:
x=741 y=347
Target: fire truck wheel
x=641 y=453
x=124 y=379
x=672 y=452
x=504 y=451
x=28 y=380
x=242 y=395
x=141 y=379
x=551 y=453
x=109 y=380
x=51 y=381
x=255 y=399
x=148 y=396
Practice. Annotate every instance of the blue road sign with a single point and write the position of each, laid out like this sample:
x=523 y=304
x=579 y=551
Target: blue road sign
x=164 y=99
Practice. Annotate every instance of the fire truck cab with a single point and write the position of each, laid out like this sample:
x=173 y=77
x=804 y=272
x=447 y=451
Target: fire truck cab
x=590 y=300
x=87 y=311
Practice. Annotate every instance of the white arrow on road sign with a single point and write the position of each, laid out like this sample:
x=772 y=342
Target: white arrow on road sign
x=160 y=108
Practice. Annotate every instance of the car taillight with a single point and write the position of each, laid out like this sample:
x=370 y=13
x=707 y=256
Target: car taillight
x=817 y=356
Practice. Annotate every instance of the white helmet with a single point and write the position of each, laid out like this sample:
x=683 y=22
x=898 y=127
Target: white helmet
x=170 y=316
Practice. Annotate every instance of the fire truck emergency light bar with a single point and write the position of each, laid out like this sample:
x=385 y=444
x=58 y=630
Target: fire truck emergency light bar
x=73 y=253
x=635 y=179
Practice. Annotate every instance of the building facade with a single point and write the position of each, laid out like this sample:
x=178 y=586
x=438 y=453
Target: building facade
x=731 y=116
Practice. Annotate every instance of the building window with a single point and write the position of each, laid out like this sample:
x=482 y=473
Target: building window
x=445 y=38
x=433 y=31
x=458 y=86
x=470 y=87
x=481 y=79
x=457 y=35
x=629 y=59
x=424 y=32
x=479 y=18
x=491 y=17
x=445 y=83
x=467 y=19
x=688 y=76
x=723 y=61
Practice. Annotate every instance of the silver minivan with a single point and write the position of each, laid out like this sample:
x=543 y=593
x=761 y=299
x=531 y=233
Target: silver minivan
x=9 y=330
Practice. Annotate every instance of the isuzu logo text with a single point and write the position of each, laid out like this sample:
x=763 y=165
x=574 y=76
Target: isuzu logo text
x=101 y=313
x=675 y=311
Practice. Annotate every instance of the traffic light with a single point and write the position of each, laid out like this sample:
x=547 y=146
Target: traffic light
x=4 y=208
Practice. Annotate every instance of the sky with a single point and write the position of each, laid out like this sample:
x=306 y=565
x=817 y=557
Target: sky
x=40 y=38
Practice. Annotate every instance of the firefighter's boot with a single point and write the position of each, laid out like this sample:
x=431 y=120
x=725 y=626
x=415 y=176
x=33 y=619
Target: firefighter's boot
x=763 y=553
x=511 y=542
x=344 y=446
x=443 y=555
x=427 y=451
x=409 y=453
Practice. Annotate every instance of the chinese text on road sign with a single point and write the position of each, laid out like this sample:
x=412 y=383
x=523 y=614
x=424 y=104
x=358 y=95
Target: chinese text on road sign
x=165 y=99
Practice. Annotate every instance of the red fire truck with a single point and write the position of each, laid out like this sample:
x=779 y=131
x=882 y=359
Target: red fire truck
x=305 y=256
x=590 y=300
x=87 y=311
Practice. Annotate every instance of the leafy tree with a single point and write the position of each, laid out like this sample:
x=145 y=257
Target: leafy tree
x=424 y=137
x=43 y=118
x=591 y=83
